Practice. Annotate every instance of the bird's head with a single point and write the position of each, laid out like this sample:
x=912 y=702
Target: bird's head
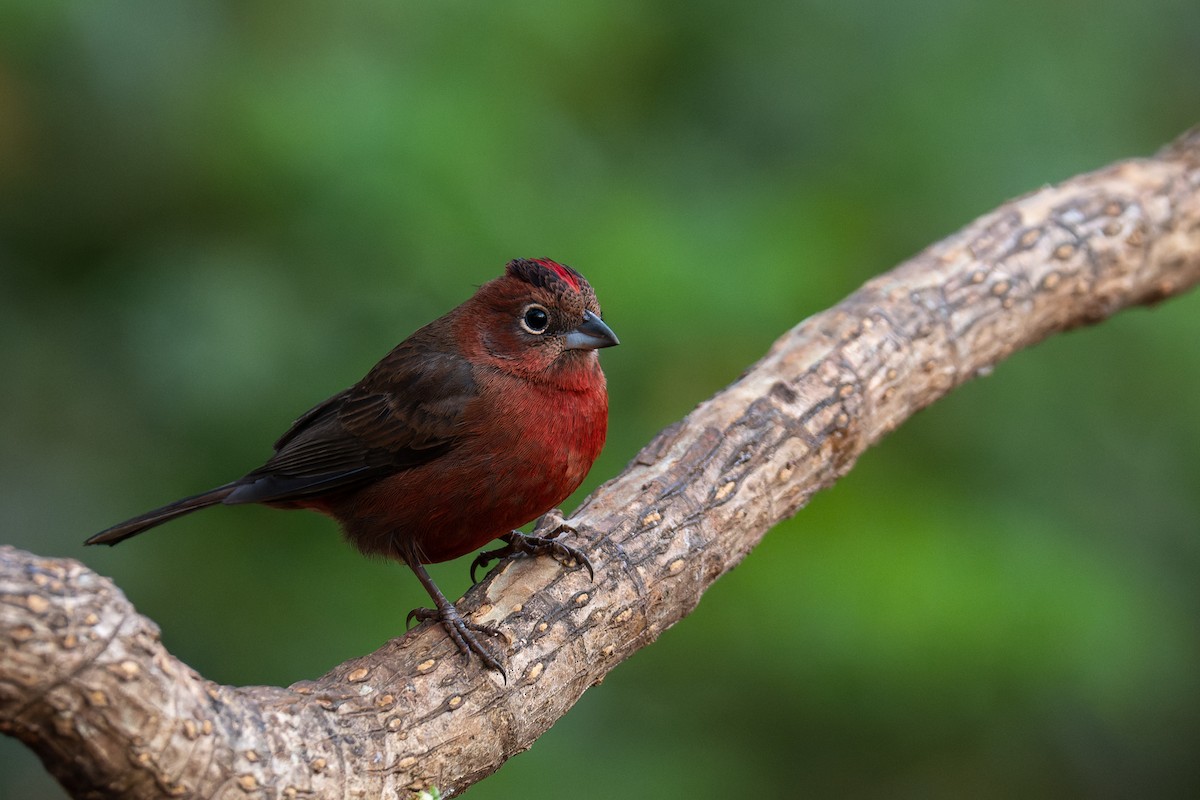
x=540 y=318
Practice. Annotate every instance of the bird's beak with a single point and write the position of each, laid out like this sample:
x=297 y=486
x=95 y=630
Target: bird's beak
x=592 y=334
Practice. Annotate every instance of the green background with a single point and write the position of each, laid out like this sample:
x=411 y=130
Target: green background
x=215 y=214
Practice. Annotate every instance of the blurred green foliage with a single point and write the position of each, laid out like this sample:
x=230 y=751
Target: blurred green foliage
x=215 y=214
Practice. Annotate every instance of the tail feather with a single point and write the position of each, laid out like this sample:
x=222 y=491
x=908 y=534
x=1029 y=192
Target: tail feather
x=144 y=522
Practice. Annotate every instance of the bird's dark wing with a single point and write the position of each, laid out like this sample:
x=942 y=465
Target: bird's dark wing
x=407 y=411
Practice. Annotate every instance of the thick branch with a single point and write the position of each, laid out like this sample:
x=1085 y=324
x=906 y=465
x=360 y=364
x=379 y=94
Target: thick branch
x=86 y=683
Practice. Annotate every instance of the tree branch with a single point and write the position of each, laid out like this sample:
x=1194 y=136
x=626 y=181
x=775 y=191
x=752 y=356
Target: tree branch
x=85 y=682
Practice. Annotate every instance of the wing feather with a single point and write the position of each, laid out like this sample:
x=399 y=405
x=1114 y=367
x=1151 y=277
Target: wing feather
x=408 y=411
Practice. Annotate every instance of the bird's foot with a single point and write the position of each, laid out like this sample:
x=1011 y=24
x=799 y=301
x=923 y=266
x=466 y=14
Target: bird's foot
x=552 y=524
x=462 y=632
x=542 y=542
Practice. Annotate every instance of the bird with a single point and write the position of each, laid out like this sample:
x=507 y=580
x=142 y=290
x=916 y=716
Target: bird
x=478 y=423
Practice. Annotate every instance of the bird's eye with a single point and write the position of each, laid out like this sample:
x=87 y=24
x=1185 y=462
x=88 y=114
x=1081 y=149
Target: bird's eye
x=535 y=319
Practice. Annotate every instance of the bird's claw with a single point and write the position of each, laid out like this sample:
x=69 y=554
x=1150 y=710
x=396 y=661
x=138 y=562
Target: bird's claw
x=462 y=632
x=542 y=542
x=552 y=524
x=488 y=556
x=565 y=554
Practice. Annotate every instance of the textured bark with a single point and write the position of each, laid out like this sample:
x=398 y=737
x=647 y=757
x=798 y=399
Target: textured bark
x=85 y=682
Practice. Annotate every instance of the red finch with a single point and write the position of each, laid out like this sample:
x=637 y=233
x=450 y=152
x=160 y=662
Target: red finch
x=479 y=422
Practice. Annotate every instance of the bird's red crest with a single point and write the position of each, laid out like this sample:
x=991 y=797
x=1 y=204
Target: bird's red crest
x=566 y=273
x=534 y=271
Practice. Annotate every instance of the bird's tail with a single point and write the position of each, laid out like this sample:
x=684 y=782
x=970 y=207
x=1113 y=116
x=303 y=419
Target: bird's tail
x=144 y=522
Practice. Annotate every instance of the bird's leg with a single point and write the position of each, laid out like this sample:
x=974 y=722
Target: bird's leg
x=460 y=630
x=543 y=541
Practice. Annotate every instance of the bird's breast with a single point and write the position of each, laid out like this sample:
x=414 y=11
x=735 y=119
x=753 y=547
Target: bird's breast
x=525 y=449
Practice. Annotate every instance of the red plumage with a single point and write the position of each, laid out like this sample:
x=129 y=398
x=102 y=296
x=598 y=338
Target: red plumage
x=480 y=421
